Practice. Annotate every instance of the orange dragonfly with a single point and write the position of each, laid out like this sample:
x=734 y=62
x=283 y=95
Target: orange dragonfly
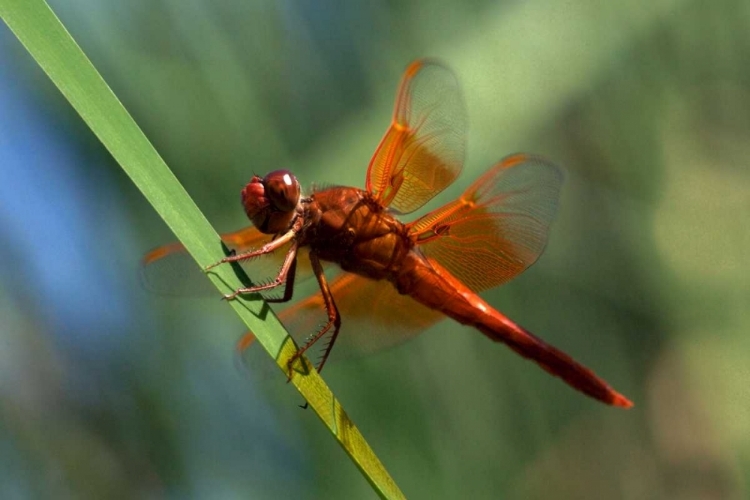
x=399 y=278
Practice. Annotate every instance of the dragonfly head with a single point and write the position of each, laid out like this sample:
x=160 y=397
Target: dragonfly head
x=270 y=202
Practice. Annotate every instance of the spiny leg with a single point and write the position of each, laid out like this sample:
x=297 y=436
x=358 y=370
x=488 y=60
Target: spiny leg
x=265 y=249
x=290 y=264
x=334 y=319
x=248 y=337
x=289 y=287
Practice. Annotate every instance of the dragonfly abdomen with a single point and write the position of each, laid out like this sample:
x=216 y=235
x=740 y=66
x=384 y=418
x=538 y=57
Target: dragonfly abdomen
x=432 y=285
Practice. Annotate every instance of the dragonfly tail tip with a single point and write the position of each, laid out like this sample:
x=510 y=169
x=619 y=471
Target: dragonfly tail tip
x=621 y=401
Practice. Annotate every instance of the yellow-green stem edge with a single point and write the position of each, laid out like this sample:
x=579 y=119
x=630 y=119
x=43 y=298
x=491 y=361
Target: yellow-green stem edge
x=49 y=43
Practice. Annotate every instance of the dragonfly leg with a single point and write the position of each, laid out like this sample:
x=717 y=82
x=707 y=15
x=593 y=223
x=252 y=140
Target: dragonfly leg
x=334 y=319
x=289 y=285
x=267 y=248
x=248 y=338
x=290 y=264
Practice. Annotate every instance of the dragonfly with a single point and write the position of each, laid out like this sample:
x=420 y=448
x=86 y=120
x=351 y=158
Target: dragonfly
x=399 y=278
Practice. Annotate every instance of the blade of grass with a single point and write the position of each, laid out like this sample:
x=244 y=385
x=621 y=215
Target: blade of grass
x=46 y=39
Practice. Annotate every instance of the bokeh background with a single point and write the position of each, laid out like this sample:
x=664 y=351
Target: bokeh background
x=109 y=391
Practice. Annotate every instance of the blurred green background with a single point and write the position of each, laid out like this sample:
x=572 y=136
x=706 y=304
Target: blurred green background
x=108 y=391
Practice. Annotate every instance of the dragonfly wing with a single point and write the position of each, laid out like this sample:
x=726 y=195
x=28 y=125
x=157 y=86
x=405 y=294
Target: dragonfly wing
x=374 y=316
x=498 y=227
x=422 y=152
x=171 y=270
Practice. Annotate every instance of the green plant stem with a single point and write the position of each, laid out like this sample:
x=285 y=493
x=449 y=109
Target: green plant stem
x=46 y=39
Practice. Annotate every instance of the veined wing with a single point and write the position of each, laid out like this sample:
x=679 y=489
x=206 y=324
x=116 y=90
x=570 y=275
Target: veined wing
x=422 y=151
x=374 y=316
x=170 y=270
x=499 y=225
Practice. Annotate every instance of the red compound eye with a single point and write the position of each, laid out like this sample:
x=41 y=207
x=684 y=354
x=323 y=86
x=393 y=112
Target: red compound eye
x=270 y=202
x=282 y=190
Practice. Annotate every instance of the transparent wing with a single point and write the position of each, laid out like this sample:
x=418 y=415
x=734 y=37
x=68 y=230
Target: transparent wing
x=170 y=270
x=422 y=151
x=499 y=225
x=374 y=316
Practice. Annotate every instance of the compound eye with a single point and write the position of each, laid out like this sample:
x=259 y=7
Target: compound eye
x=282 y=190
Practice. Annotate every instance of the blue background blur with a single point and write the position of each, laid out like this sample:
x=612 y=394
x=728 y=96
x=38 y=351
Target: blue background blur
x=107 y=391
